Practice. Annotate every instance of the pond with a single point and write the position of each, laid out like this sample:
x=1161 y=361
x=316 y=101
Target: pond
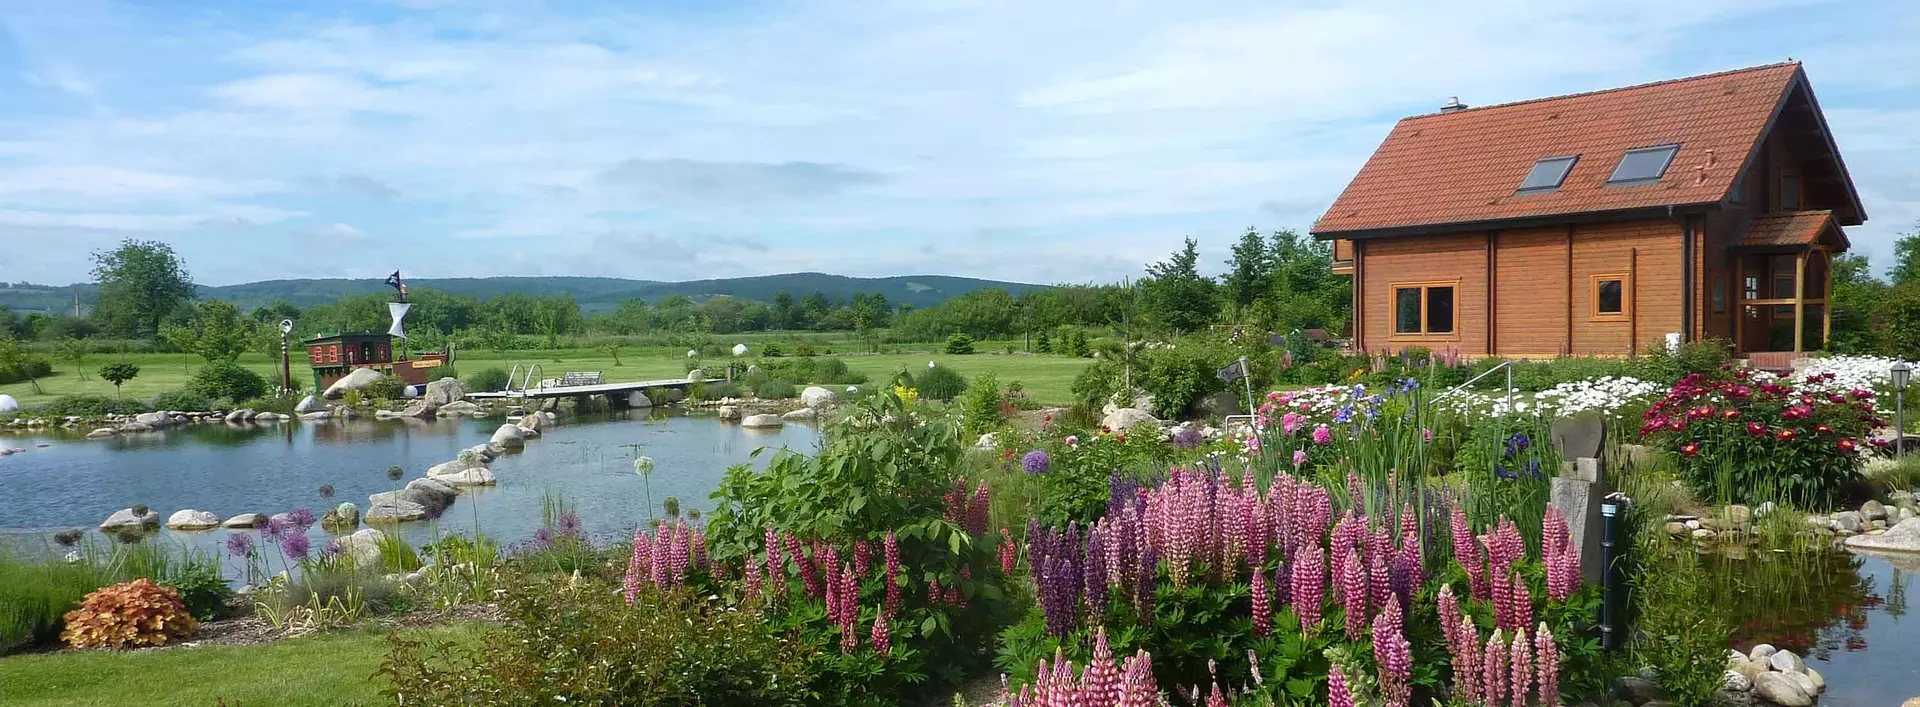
x=1845 y=614
x=63 y=481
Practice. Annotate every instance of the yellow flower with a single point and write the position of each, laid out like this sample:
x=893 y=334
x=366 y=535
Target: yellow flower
x=905 y=394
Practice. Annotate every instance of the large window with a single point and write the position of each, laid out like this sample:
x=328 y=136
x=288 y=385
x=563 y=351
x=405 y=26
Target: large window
x=1424 y=309
x=1610 y=299
x=1547 y=174
x=1643 y=165
x=1789 y=192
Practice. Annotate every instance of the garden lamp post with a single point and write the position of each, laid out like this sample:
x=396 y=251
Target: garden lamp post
x=286 y=362
x=1901 y=374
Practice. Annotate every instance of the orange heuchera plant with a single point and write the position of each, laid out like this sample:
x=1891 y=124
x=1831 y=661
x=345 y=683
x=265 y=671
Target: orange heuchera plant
x=137 y=613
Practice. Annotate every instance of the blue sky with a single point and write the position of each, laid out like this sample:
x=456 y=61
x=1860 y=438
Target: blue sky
x=1039 y=141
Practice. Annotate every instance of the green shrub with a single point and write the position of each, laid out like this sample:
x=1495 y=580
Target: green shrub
x=981 y=410
x=202 y=588
x=282 y=404
x=181 y=401
x=1178 y=376
x=803 y=348
x=710 y=391
x=487 y=379
x=24 y=367
x=940 y=383
x=1094 y=385
x=581 y=643
x=386 y=388
x=772 y=350
x=226 y=379
x=833 y=370
x=960 y=344
x=118 y=372
x=793 y=369
x=90 y=406
x=1681 y=629
x=774 y=389
x=1042 y=344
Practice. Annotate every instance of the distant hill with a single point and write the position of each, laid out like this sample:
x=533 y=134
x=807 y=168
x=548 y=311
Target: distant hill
x=593 y=293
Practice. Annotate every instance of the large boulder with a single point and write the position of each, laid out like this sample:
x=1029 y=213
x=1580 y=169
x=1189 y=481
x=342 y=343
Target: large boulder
x=1123 y=419
x=465 y=461
x=359 y=378
x=192 y=520
x=1786 y=662
x=246 y=520
x=762 y=421
x=155 y=419
x=317 y=415
x=362 y=547
x=1781 y=690
x=443 y=392
x=440 y=488
x=1849 y=521
x=696 y=375
x=801 y=415
x=535 y=422
x=309 y=404
x=395 y=511
x=102 y=433
x=419 y=409
x=126 y=518
x=476 y=476
x=816 y=397
x=487 y=451
x=508 y=436
x=1903 y=537
x=729 y=413
x=1873 y=510
x=457 y=408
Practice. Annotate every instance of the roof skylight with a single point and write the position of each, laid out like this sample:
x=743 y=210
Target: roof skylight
x=1642 y=165
x=1547 y=174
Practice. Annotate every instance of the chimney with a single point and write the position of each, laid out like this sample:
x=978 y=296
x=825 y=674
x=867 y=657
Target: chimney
x=1453 y=105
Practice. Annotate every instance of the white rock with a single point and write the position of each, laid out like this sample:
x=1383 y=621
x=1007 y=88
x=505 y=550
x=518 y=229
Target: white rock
x=987 y=441
x=801 y=415
x=1903 y=537
x=395 y=511
x=1819 y=682
x=508 y=436
x=729 y=413
x=457 y=407
x=476 y=476
x=444 y=392
x=246 y=520
x=1762 y=651
x=8 y=404
x=359 y=378
x=309 y=404
x=1123 y=419
x=696 y=374
x=317 y=415
x=363 y=547
x=761 y=421
x=102 y=433
x=125 y=518
x=1805 y=683
x=1737 y=682
x=1782 y=690
x=192 y=520
x=435 y=486
x=534 y=422
x=816 y=397
x=1786 y=662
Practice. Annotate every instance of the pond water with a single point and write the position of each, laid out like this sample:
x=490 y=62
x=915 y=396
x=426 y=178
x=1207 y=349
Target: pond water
x=75 y=483
x=1845 y=614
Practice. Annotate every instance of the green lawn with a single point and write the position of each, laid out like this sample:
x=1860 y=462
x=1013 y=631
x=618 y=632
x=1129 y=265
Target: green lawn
x=1047 y=377
x=330 y=670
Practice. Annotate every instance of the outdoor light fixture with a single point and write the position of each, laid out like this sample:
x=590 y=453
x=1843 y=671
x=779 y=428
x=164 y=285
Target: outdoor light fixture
x=286 y=358
x=1901 y=373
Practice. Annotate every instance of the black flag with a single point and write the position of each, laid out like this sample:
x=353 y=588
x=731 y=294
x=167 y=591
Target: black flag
x=1233 y=371
x=393 y=281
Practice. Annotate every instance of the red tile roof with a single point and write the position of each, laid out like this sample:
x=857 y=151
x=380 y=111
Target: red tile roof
x=1799 y=228
x=1465 y=166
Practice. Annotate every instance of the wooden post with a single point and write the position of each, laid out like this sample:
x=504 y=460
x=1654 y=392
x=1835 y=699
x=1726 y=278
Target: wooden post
x=1799 y=297
x=1826 y=300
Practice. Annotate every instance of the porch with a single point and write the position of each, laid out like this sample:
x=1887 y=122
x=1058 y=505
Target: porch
x=1783 y=270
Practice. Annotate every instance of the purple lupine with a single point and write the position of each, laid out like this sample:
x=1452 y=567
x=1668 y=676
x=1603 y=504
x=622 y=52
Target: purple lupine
x=1520 y=603
x=1309 y=579
x=678 y=556
x=1521 y=660
x=1547 y=665
x=882 y=640
x=752 y=579
x=1503 y=600
x=1353 y=590
x=1493 y=670
x=1143 y=584
x=1395 y=656
x=1409 y=569
x=1093 y=575
x=1466 y=550
x=1262 y=612
x=862 y=557
x=1379 y=579
x=776 y=563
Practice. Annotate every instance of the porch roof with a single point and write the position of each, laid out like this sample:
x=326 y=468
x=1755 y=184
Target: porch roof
x=1798 y=229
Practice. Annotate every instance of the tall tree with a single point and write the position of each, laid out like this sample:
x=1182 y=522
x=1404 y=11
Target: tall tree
x=216 y=332
x=1856 y=293
x=1177 y=294
x=1249 y=271
x=1906 y=258
x=141 y=284
x=785 y=311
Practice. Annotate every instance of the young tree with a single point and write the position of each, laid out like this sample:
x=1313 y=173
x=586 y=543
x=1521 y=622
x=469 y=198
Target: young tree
x=75 y=351
x=1178 y=294
x=1906 y=258
x=1249 y=271
x=141 y=284
x=216 y=332
x=117 y=373
x=17 y=362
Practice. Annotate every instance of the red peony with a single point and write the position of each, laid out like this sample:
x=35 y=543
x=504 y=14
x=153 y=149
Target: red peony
x=1846 y=444
x=1786 y=435
x=1756 y=429
x=1690 y=449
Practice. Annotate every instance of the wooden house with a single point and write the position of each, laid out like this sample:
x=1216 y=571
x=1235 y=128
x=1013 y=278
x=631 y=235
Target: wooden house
x=333 y=356
x=1601 y=223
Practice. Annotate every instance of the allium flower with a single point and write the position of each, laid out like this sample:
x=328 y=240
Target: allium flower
x=1036 y=462
x=295 y=546
x=240 y=545
x=332 y=549
x=643 y=466
x=302 y=518
x=1186 y=438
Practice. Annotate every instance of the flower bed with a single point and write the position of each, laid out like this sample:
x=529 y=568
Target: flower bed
x=1744 y=438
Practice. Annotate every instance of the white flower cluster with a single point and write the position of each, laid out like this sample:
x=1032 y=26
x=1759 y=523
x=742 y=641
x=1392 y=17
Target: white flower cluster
x=1850 y=372
x=1606 y=395
x=1474 y=404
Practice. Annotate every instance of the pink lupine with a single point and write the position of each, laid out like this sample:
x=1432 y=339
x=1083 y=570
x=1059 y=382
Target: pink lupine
x=1547 y=666
x=1309 y=580
x=1395 y=656
x=1262 y=614
x=1503 y=599
x=752 y=580
x=1409 y=523
x=1521 y=660
x=891 y=552
x=1100 y=684
x=1466 y=551
x=1353 y=587
x=1009 y=553
x=1337 y=694
x=1504 y=545
x=776 y=563
x=1554 y=535
x=1449 y=609
x=1216 y=699
x=882 y=640
x=862 y=560
x=978 y=508
x=699 y=542
x=1466 y=661
x=1379 y=579
x=637 y=565
x=1519 y=603
x=1253 y=524
x=1493 y=669
x=934 y=594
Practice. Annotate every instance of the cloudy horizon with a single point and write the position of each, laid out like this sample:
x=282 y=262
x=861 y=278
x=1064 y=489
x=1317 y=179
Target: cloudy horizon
x=1030 y=142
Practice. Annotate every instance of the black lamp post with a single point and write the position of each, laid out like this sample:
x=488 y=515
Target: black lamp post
x=1901 y=374
x=286 y=362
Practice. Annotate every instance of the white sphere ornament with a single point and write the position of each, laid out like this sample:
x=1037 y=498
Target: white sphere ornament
x=692 y=353
x=8 y=404
x=930 y=364
x=739 y=349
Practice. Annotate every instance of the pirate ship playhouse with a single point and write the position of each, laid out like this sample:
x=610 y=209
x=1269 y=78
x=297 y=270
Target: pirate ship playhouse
x=333 y=356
